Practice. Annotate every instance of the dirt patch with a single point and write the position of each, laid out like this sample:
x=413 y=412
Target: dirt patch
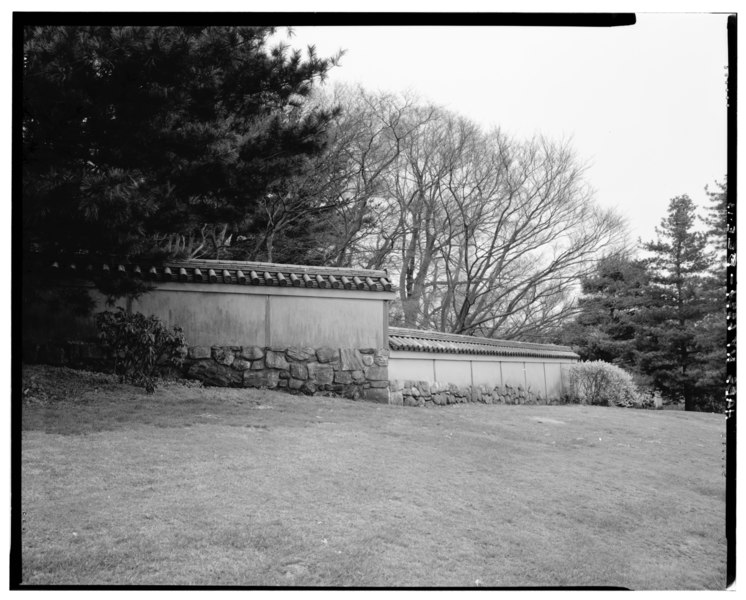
x=547 y=420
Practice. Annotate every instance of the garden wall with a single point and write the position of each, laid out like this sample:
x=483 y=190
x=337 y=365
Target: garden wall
x=246 y=324
x=350 y=372
x=470 y=367
x=305 y=329
x=429 y=393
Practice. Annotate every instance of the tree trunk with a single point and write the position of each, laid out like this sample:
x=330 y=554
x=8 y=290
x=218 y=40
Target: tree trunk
x=270 y=245
x=688 y=400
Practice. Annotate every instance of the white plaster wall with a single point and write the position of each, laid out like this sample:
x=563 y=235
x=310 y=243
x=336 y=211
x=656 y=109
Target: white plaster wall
x=545 y=376
x=326 y=321
x=404 y=369
x=513 y=374
x=236 y=315
x=535 y=377
x=457 y=372
x=209 y=319
x=486 y=373
x=554 y=379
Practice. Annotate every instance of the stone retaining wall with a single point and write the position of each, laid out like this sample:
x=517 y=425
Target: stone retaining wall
x=429 y=393
x=349 y=372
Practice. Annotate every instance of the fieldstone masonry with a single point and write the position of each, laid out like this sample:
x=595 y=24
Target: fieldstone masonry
x=358 y=374
x=352 y=373
x=433 y=393
x=349 y=372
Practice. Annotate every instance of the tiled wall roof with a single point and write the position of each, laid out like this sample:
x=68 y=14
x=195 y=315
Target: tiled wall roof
x=234 y=272
x=434 y=341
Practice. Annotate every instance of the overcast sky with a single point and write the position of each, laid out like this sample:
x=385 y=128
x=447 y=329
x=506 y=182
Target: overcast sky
x=644 y=105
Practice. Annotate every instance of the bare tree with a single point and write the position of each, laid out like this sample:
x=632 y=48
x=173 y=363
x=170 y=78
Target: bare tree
x=484 y=234
x=522 y=227
x=363 y=151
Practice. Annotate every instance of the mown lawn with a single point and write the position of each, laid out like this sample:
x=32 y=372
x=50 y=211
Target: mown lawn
x=195 y=486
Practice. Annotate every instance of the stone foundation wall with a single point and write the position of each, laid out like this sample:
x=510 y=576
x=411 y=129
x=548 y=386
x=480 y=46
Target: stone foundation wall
x=349 y=372
x=429 y=393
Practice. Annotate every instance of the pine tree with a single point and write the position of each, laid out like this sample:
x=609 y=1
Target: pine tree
x=716 y=225
x=612 y=297
x=711 y=331
x=159 y=141
x=670 y=351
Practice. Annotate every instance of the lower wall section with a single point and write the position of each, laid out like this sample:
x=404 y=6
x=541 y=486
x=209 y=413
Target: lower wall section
x=429 y=393
x=349 y=372
x=544 y=377
x=355 y=373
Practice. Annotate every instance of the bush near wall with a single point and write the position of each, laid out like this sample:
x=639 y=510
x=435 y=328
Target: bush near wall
x=137 y=344
x=601 y=383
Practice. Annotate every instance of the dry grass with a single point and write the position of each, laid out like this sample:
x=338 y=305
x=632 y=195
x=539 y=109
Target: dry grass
x=243 y=487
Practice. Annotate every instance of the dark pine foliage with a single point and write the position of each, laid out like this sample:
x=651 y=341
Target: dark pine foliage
x=137 y=140
x=612 y=299
x=670 y=349
x=711 y=331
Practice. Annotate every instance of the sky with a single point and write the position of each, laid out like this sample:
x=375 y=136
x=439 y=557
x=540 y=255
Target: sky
x=643 y=106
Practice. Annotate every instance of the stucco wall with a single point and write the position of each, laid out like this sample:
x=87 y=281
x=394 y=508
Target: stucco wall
x=235 y=315
x=513 y=374
x=554 y=379
x=535 y=377
x=219 y=314
x=413 y=368
x=457 y=372
x=486 y=373
x=208 y=319
x=543 y=376
x=327 y=321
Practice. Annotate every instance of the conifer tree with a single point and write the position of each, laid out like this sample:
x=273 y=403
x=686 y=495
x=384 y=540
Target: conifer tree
x=607 y=323
x=159 y=141
x=711 y=331
x=669 y=350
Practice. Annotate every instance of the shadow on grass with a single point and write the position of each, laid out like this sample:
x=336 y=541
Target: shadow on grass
x=68 y=402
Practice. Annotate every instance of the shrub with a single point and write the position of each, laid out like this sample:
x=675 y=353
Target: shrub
x=137 y=345
x=604 y=384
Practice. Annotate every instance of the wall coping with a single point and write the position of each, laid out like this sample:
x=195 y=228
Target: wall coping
x=240 y=273
x=404 y=355
x=415 y=340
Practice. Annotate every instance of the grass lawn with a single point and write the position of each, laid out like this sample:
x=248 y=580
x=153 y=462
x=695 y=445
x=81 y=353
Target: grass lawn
x=207 y=486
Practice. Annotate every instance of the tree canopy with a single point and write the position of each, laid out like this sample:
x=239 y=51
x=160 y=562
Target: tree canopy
x=484 y=234
x=612 y=298
x=663 y=317
x=156 y=141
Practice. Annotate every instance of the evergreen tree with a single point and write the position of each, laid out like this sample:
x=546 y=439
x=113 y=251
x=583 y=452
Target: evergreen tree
x=716 y=226
x=711 y=331
x=159 y=141
x=607 y=323
x=670 y=350
x=662 y=318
